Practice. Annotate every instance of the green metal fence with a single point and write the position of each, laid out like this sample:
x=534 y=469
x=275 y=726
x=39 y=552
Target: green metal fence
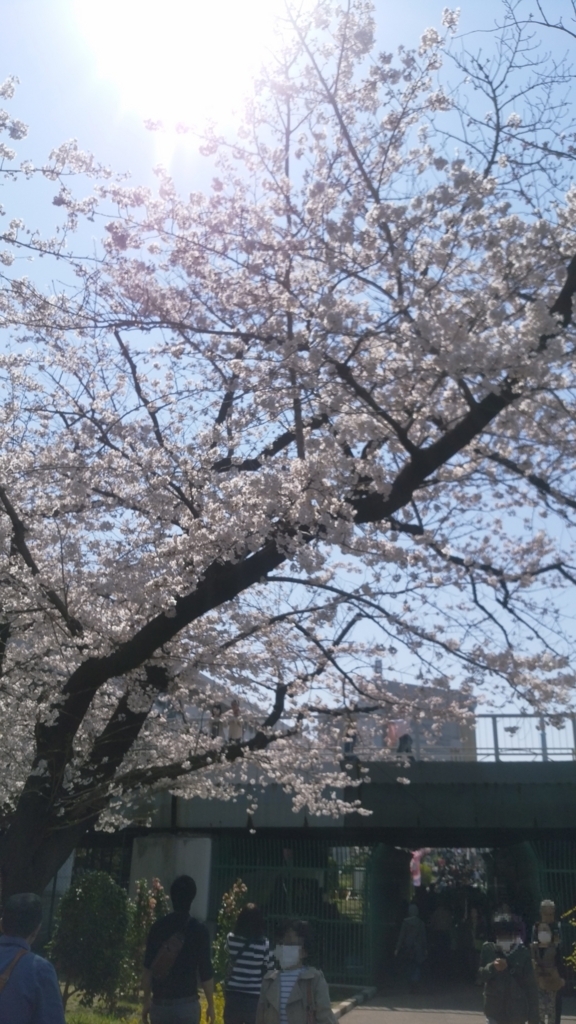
x=557 y=871
x=309 y=879
x=105 y=852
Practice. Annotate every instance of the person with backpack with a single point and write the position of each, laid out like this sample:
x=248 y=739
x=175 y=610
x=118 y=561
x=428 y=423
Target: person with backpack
x=296 y=993
x=249 y=959
x=510 y=990
x=177 y=954
x=29 y=989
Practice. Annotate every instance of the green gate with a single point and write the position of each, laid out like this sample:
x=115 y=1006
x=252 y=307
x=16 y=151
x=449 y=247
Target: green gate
x=557 y=871
x=308 y=879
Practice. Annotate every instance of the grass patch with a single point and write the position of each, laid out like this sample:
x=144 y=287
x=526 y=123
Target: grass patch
x=129 y=1013
x=100 y=1016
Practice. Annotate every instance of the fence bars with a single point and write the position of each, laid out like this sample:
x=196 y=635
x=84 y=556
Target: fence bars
x=310 y=879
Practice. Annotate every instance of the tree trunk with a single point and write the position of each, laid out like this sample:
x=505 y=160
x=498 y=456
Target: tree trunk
x=35 y=847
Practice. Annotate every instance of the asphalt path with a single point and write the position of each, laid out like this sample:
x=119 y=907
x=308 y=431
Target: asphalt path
x=455 y=1006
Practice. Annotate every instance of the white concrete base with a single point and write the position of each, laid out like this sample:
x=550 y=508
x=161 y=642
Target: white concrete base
x=166 y=856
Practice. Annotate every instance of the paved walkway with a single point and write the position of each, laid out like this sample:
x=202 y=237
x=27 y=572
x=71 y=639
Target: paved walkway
x=456 y=1006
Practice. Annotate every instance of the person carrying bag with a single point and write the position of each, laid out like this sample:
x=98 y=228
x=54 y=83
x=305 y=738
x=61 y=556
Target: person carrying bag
x=29 y=989
x=177 y=954
x=249 y=959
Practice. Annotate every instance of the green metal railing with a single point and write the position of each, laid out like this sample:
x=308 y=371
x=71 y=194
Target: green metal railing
x=557 y=871
x=311 y=880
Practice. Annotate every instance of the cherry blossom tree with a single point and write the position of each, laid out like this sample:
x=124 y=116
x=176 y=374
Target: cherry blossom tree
x=255 y=435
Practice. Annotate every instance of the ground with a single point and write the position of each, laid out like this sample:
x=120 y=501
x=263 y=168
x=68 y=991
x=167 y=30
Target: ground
x=458 y=1005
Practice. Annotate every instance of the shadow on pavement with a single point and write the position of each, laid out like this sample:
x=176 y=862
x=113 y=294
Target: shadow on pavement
x=458 y=1002
x=465 y=999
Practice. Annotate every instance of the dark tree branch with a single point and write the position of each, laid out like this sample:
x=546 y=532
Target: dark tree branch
x=278 y=709
x=20 y=545
x=279 y=444
x=538 y=482
x=122 y=730
x=374 y=507
x=138 y=388
x=89 y=801
x=221 y=582
x=345 y=374
x=563 y=304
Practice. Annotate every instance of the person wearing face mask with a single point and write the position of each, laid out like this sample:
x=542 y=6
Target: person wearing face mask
x=548 y=963
x=295 y=993
x=506 y=971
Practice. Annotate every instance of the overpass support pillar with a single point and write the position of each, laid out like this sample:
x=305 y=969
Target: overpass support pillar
x=515 y=879
x=389 y=897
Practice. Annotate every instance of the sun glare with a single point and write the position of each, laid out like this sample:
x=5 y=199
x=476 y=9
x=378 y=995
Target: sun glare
x=178 y=60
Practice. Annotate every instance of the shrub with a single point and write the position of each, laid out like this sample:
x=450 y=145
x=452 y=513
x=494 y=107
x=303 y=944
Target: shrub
x=218 y=1005
x=232 y=903
x=89 y=944
x=150 y=903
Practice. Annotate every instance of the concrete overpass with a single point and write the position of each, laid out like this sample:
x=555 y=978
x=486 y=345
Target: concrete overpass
x=468 y=804
x=444 y=804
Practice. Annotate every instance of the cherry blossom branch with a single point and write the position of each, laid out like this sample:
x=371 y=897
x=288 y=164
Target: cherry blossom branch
x=86 y=802
x=279 y=444
x=138 y=388
x=20 y=545
x=537 y=481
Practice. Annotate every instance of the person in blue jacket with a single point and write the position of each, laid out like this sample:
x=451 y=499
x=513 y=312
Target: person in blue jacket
x=29 y=989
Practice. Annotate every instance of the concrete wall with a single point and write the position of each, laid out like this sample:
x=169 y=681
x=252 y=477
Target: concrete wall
x=167 y=856
x=52 y=895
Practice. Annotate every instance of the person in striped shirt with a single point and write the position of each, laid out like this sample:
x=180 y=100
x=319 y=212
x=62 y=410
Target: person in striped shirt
x=249 y=959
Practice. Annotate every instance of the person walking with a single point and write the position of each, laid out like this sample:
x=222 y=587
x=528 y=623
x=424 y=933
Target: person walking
x=548 y=963
x=411 y=948
x=440 y=928
x=249 y=959
x=235 y=724
x=510 y=990
x=29 y=989
x=177 y=954
x=296 y=993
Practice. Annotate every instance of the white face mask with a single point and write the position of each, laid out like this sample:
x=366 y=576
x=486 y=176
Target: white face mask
x=544 y=937
x=507 y=944
x=288 y=956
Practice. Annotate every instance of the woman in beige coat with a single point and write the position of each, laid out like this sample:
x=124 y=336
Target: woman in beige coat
x=295 y=994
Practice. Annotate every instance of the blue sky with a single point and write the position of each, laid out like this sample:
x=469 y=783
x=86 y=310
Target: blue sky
x=73 y=58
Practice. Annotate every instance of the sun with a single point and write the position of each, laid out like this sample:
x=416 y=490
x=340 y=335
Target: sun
x=178 y=60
